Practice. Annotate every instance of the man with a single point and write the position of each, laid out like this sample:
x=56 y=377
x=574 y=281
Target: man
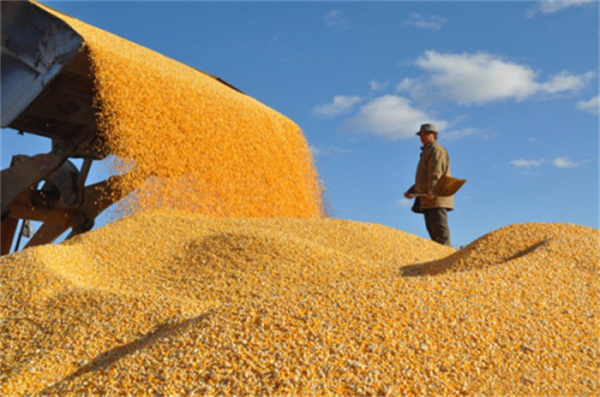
x=433 y=164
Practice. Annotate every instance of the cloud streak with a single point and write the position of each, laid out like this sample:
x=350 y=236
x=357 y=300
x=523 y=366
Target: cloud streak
x=334 y=19
x=559 y=162
x=341 y=105
x=522 y=163
x=552 y=6
x=391 y=117
x=378 y=86
x=566 y=162
x=482 y=78
x=453 y=135
x=592 y=106
x=404 y=203
x=430 y=22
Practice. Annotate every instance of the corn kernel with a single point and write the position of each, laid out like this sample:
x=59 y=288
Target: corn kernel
x=205 y=290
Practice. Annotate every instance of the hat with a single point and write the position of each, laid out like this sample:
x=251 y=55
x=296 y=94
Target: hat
x=428 y=127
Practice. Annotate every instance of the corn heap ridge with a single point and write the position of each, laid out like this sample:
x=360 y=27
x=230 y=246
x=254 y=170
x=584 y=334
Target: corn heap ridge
x=168 y=303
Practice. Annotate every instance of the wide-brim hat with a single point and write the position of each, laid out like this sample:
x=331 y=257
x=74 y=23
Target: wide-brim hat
x=428 y=128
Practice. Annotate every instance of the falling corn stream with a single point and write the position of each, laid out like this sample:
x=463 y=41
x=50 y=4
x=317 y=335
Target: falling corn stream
x=192 y=142
x=226 y=278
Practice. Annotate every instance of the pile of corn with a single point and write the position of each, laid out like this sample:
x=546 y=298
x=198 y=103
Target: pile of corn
x=195 y=143
x=234 y=283
x=171 y=304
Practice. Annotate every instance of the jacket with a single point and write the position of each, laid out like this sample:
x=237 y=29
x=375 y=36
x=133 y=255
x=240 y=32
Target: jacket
x=434 y=163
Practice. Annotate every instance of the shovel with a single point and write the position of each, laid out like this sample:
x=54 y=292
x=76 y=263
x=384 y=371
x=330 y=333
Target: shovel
x=446 y=186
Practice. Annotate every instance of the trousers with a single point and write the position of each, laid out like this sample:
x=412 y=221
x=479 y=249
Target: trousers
x=436 y=221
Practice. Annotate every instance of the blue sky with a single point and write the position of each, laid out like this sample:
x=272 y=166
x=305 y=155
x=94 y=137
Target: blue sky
x=512 y=86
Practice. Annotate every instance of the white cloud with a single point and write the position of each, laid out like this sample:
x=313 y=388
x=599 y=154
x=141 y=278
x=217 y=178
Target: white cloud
x=481 y=78
x=453 y=135
x=391 y=117
x=552 y=6
x=431 y=22
x=327 y=151
x=527 y=163
x=559 y=162
x=405 y=203
x=477 y=78
x=566 y=82
x=406 y=85
x=566 y=162
x=341 y=104
x=591 y=106
x=334 y=19
x=378 y=86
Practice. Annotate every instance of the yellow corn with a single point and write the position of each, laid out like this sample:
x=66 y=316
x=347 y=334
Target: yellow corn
x=195 y=144
x=246 y=289
x=168 y=303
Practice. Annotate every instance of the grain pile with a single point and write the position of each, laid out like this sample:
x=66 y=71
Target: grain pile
x=166 y=303
x=195 y=143
x=229 y=295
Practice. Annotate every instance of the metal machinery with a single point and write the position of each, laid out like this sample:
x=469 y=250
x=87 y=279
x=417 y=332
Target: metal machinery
x=47 y=90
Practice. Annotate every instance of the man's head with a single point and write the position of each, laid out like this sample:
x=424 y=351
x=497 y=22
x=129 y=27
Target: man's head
x=428 y=133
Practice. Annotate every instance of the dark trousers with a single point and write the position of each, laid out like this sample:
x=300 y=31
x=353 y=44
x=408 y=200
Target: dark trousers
x=436 y=221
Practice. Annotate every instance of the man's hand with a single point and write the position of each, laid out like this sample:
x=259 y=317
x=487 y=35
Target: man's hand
x=408 y=195
x=429 y=196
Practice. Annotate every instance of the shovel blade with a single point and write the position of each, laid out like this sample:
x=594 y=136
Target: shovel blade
x=448 y=186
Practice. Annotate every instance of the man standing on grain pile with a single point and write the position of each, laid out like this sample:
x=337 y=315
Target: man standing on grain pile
x=433 y=164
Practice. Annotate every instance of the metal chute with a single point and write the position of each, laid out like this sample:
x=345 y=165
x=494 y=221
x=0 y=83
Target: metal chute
x=48 y=90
